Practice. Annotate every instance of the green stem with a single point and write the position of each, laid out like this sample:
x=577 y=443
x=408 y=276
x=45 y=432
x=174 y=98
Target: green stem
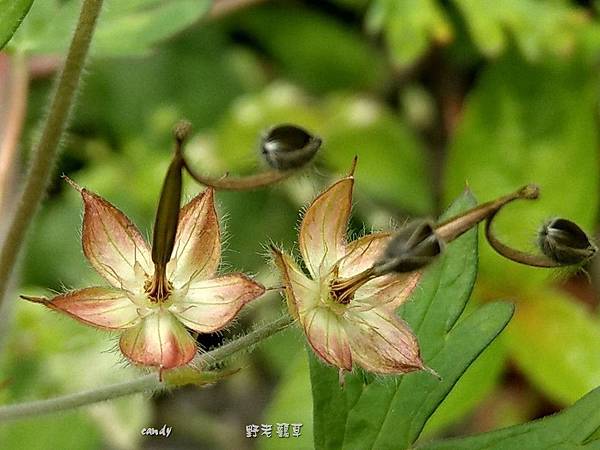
x=46 y=151
x=146 y=383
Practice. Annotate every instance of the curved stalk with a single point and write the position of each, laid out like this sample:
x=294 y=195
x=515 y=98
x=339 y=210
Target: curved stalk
x=226 y=183
x=514 y=254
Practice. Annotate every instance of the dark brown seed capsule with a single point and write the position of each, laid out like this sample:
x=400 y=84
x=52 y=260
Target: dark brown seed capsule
x=287 y=147
x=415 y=246
x=564 y=242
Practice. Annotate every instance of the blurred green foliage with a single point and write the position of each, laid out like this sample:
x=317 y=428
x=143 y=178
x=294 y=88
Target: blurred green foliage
x=431 y=95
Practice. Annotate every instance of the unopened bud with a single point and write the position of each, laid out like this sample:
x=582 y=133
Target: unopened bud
x=564 y=242
x=415 y=246
x=288 y=147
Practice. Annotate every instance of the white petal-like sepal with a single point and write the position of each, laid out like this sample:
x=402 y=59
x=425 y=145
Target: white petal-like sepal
x=160 y=341
x=323 y=229
x=209 y=305
x=382 y=343
x=97 y=306
x=112 y=243
x=326 y=335
x=197 y=250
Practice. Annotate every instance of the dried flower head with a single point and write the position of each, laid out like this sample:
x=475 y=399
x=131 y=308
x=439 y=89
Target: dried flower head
x=348 y=318
x=153 y=321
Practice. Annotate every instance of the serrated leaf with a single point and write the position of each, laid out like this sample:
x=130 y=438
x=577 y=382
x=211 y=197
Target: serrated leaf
x=575 y=427
x=554 y=340
x=12 y=13
x=391 y=412
x=525 y=123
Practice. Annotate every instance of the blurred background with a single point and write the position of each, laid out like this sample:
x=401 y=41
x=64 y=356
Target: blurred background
x=432 y=95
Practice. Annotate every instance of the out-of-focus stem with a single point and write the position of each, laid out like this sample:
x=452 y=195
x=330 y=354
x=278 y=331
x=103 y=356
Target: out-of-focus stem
x=147 y=383
x=45 y=152
x=16 y=90
x=222 y=8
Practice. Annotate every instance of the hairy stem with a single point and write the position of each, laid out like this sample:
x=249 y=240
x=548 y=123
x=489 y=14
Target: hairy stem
x=45 y=153
x=146 y=383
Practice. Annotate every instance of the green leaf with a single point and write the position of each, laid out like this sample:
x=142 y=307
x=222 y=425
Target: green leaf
x=555 y=340
x=409 y=27
x=478 y=381
x=126 y=28
x=12 y=13
x=133 y=29
x=525 y=123
x=391 y=412
x=291 y=404
x=575 y=427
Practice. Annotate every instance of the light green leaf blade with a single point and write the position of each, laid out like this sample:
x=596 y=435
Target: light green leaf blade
x=12 y=13
x=390 y=413
x=554 y=340
x=478 y=381
x=575 y=427
x=135 y=30
x=124 y=29
x=525 y=123
x=291 y=404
